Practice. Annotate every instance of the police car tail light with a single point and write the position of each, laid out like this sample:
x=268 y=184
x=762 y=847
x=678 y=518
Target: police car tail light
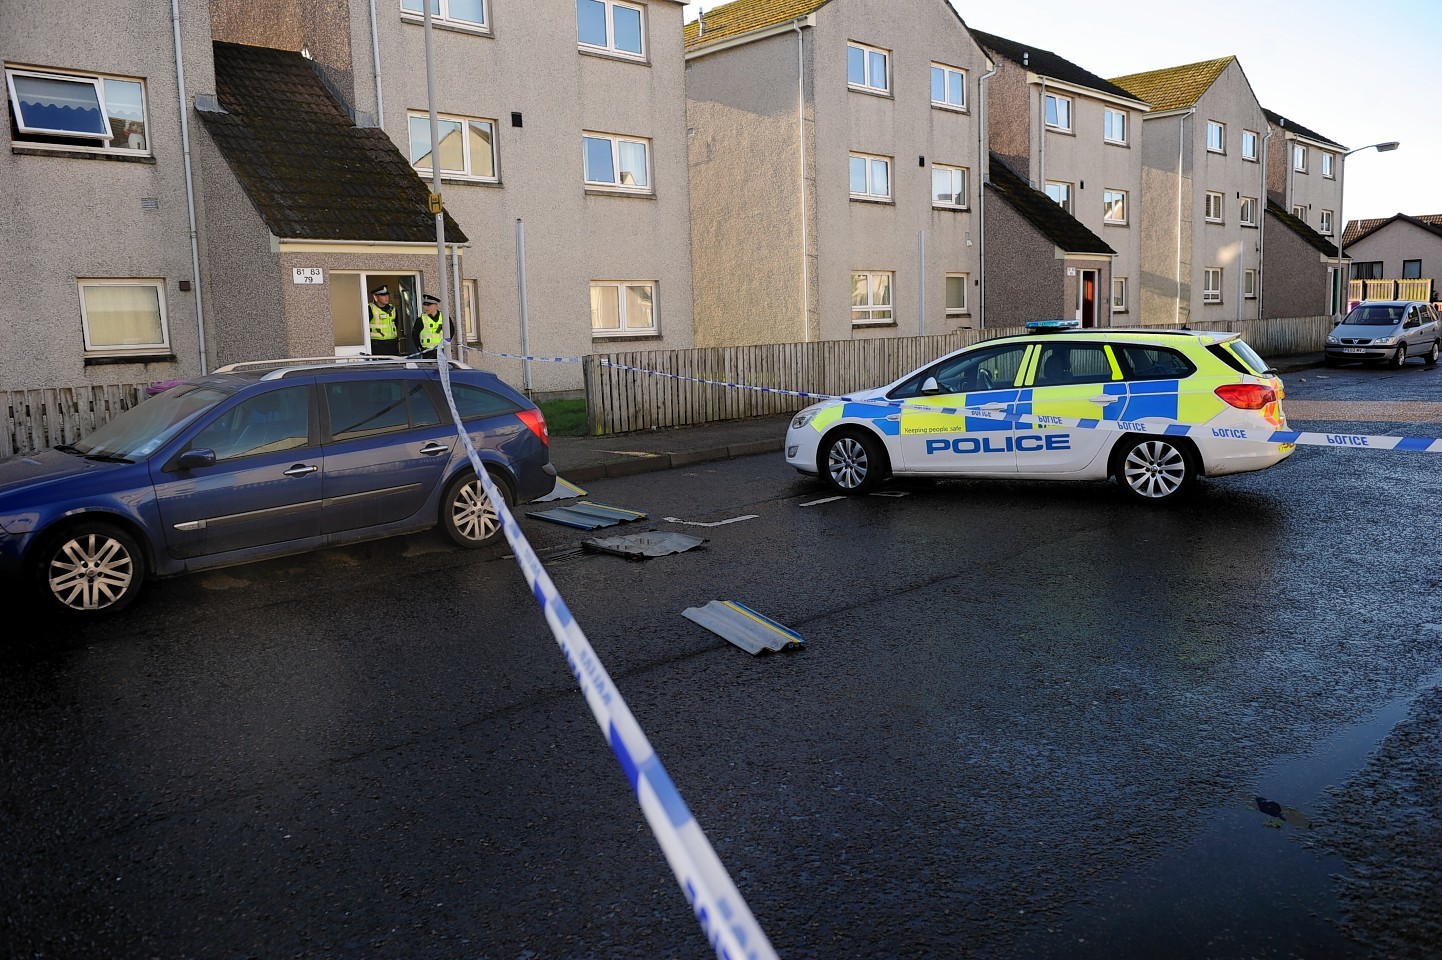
x=537 y=422
x=1247 y=396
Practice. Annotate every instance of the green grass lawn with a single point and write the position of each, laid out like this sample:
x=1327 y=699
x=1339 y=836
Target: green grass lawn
x=565 y=418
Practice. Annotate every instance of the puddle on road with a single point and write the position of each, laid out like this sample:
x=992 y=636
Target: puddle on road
x=1250 y=885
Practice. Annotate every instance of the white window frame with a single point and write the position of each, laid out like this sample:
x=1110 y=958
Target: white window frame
x=109 y=349
x=1212 y=285
x=954 y=174
x=1110 y=198
x=868 y=83
x=1060 y=193
x=609 y=47
x=470 y=306
x=1329 y=168
x=616 y=186
x=1299 y=157
x=948 y=74
x=1250 y=145
x=1212 y=211
x=964 y=309
x=441 y=12
x=871 y=161
x=625 y=329
x=1324 y=225
x=1249 y=284
x=865 y=315
x=1247 y=212
x=1300 y=212
x=468 y=166
x=1119 y=295
x=1110 y=119
x=1220 y=129
x=103 y=141
x=1062 y=123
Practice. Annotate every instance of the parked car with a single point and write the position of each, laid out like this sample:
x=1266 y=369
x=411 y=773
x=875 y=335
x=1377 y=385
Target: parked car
x=1156 y=377
x=1386 y=331
x=260 y=460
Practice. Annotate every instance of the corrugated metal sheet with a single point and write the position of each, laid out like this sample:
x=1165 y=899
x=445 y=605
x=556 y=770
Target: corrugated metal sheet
x=565 y=490
x=639 y=546
x=588 y=516
x=739 y=624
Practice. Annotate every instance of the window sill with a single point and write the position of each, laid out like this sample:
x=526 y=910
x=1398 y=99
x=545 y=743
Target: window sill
x=948 y=108
x=870 y=92
x=1116 y=143
x=1063 y=131
x=883 y=201
x=425 y=175
x=1117 y=223
x=950 y=207
x=594 y=191
x=625 y=337
x=474 y=29
x=871 y=324
x=77 y=152
x=103 y=360
x=641 y=61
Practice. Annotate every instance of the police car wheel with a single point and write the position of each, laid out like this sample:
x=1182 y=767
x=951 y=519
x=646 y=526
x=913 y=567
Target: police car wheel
x=467 y=515
x=853 y=462
x=1154 y=469
x=91 y=568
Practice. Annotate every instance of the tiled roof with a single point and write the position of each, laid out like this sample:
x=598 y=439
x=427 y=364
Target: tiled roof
x=1324 y=245
x=1357 y=229
x=1281 y=121
x=1044 y=213
x=1048 y=64
x=312 y=173
x=1174 y=87
x=743 y=16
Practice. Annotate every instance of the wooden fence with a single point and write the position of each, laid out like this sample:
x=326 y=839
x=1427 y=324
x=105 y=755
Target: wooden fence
x=36 y=419
x=621 y=398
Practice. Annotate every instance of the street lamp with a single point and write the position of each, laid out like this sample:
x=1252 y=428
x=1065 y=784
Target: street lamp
x=1387 y=146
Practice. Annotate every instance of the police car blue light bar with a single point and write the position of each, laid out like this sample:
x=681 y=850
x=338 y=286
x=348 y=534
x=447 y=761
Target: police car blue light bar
x=1052 y=326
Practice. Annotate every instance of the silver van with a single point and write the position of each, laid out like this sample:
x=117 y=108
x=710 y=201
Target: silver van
x=1386 y=331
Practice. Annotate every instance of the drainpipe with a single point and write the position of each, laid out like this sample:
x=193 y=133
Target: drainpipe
x=1262 y=233
x=376 y=63
x=1041 y=139
x=524 y=312
x=806 y=330
x=1181 y=143
x=984 y=159
x=189 y=184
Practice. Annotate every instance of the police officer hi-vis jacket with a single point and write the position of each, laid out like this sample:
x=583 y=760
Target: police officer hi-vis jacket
x=429 y=327
x=381 y=317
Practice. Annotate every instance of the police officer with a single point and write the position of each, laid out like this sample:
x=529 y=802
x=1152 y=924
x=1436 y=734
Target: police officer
x=429 y=327
x=382 y=319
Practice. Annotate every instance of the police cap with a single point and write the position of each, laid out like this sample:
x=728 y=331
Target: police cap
x=428 y=299
x=381 y=291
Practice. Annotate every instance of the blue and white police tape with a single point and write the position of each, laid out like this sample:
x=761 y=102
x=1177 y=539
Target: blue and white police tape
x=725 y=919
x=1156 y=426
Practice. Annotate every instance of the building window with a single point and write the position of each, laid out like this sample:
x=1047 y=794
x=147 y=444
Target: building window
x=866 y=68
x=1114 y=203
x=1411 y=269
x=871 y=297
x=124 y=316
x=1368 y=270
x=1119 y=295
x=1248 y=214
x=470 y=322
x=623 y=163
x=1327 y=169
x=1212 y=285
x=612 y=27
x=1299 y=158
x=870 y=177
x=1300 y=212
x=1214 y=207
x=948 y=87
x=1060 y=194
x=620 y=309
x=1114 y=126
x=1249 y=284
x=1249 y=145
x=948 y=186
x=1058 y=112
x=1216 y=137
x=95 y=113
x=1324 y=227
x=468 y=146
x=466 y=13
x=956 y=287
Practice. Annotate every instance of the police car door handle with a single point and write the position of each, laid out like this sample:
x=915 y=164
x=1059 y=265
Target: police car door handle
x=1104 y=400
x=302 y=470
x=433 y=449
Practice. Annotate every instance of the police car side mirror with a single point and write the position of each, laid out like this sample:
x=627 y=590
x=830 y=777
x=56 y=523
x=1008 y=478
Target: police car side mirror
x=929 y=385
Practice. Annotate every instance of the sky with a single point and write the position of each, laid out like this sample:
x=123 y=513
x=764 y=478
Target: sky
x=1357 y=73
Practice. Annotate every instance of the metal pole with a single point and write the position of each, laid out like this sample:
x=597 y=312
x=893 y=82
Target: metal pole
x=521 y=281
x=921 y=291
x=441 y=284
x=189 y=188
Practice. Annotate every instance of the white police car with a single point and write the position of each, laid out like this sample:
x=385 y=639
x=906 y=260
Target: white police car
x=1153 y=408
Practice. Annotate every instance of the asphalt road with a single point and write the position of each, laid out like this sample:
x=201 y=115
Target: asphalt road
x=1030 y=720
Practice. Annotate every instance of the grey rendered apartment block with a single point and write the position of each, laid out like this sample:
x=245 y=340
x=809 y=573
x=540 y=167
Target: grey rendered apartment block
x=102 y=283
x=1076 y=138
x=1203 y=193
x=836 y=156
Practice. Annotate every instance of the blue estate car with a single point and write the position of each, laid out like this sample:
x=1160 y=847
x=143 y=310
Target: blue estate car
x=260 y=460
